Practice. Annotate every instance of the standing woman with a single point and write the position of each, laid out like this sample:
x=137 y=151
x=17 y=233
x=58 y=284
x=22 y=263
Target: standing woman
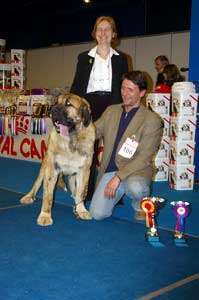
x=98 y=74
x=99 y=71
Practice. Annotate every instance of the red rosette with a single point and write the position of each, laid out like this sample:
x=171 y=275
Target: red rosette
x=149 y=209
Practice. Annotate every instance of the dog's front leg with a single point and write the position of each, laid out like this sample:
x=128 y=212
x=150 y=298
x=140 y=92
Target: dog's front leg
x=50 y=179
x=30 y=196
x=81 y=189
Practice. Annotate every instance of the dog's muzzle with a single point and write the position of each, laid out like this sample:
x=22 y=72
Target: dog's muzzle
x=62 y=123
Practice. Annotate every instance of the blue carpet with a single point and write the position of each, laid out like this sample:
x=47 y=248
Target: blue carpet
x=74 y=259
x=189 y=292
x=19 y=175
x=166 y=217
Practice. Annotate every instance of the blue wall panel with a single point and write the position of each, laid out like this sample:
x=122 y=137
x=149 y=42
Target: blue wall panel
x=194 y=68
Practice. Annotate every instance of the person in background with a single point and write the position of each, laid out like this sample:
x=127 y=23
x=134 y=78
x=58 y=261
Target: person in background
x=171 y=74
x=160 y=62
x=131 y=134
x=98 y=76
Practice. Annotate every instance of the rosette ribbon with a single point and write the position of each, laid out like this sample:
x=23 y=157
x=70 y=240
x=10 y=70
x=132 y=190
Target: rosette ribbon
x=38 y=125
x=149 y=208
x=1 y=125
x=181 y=211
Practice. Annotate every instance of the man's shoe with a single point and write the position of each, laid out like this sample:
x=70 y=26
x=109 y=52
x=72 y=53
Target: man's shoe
x=139 y=215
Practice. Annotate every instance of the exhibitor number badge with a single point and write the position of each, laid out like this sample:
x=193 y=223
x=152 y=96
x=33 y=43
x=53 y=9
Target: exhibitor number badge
x=128 y=148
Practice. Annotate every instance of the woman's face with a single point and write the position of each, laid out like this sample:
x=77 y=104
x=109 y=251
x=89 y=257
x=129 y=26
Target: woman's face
x=104 y=33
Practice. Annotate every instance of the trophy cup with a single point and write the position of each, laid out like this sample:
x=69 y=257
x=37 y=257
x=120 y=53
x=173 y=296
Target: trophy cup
x=150 y=207
x=181 y=211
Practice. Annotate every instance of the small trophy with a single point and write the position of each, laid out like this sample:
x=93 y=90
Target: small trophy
x=181 y=211
x=150 y=207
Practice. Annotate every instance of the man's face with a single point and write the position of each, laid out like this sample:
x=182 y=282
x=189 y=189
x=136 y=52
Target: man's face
x=131 y=94
x=159 y=66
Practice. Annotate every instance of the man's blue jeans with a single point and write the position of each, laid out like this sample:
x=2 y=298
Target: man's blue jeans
x=135 y=187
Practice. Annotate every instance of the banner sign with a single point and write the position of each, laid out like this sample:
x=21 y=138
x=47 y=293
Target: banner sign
x=24 y=145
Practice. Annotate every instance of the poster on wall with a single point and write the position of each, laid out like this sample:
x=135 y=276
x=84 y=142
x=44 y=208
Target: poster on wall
x=24 y=144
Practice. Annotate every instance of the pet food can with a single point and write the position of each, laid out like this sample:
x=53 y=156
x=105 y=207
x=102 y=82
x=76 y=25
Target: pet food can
x=5 y=76
x=2 y=50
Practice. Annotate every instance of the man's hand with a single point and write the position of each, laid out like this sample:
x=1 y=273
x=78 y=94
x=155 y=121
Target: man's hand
x=111 y=187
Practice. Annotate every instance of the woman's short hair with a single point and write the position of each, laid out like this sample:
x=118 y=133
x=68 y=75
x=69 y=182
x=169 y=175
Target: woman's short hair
x=111 y=21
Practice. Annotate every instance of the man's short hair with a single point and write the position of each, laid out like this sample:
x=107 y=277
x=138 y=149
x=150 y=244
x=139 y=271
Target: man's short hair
x=164 y=60
x=138 y=78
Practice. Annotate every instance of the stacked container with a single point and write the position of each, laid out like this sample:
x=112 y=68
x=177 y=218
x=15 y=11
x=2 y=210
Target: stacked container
x=182 y=136
x=5 y=76
x=160 y=103
x=2 y=51
x=5 y=69
x=18 y=68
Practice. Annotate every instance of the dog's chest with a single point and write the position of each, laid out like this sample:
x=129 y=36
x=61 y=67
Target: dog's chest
x=69 y=156
x=70 y=163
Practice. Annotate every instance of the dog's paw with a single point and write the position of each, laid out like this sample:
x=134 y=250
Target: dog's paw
x=85 y=215
x=44 y=219
x=81 y=212
x=27 y=199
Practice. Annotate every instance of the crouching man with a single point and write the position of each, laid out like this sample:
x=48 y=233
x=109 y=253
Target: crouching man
x=131 y=135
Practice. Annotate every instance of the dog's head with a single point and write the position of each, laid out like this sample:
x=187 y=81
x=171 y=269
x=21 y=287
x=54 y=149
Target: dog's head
x=187 y=103
x=185 y=127
x=69 y=113
x=161 y=103
x=184 y=152
x=184 y=176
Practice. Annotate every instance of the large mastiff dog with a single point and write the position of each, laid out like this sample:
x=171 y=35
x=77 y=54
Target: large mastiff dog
x=69 y=152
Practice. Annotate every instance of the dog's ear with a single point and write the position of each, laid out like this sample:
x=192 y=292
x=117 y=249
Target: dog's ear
x=85 y=114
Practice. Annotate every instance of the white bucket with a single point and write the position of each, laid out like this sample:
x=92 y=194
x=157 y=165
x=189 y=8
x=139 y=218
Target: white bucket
x=184 y=87
x=182 y=128
x=181 y=177
x=5 y=76
x=2 y=50
x=162 y=167
x=159 y=102
x=184 y=104
x=181 y=153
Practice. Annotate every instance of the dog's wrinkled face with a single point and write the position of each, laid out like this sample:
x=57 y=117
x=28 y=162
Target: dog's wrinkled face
x=69 y=112
x=184 y=176
x=184 y=152
x=185 y=127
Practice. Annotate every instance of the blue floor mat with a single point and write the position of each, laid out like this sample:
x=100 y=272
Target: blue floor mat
x=19 y=175
x=166 y=217
x=76 y=259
